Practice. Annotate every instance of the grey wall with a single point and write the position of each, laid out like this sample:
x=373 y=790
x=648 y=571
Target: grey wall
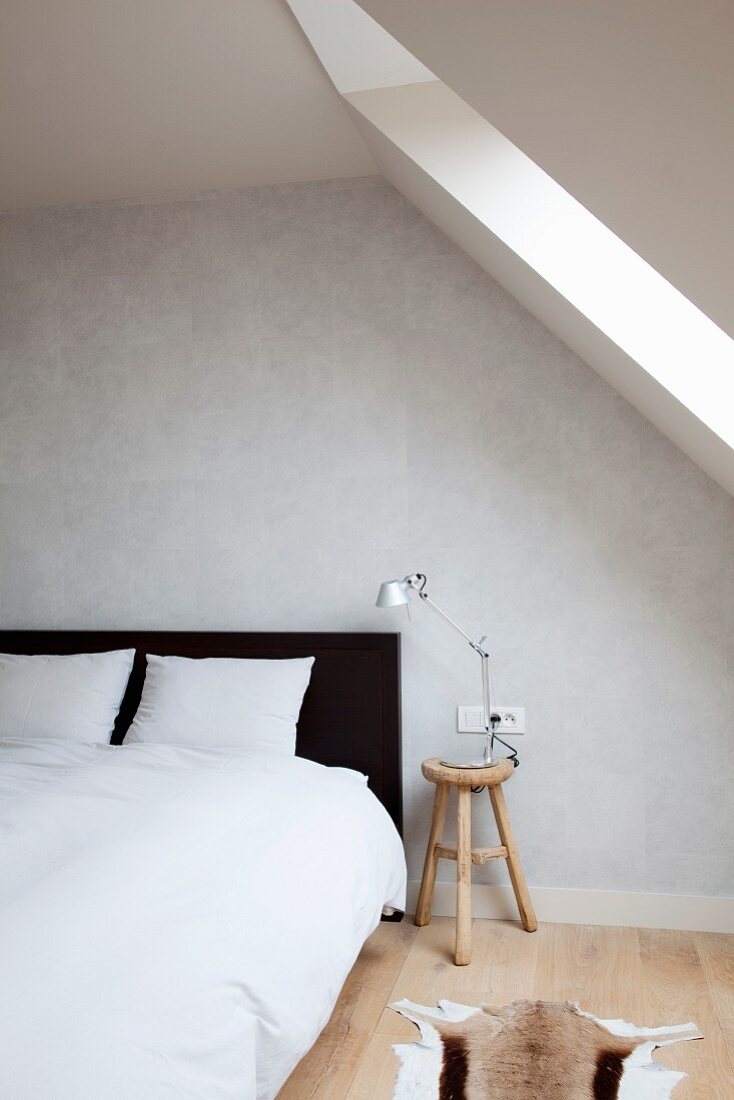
x=245 y=410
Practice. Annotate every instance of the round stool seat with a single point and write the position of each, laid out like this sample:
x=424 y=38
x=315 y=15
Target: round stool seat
x=436 y=772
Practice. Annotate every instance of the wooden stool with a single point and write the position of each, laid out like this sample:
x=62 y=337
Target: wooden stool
x=464 y=779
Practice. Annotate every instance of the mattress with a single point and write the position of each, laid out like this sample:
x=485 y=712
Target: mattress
x=175 y=921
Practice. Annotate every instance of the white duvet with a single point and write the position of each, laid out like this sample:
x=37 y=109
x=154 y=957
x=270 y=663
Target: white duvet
x=177 y=922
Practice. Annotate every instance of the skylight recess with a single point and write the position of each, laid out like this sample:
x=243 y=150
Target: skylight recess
x=594 y=270
x=598 y=273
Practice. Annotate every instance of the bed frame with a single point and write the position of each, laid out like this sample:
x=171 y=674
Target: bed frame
x=350 y=715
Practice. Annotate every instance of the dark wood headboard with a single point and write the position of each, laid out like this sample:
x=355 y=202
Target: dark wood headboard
x=350 y=715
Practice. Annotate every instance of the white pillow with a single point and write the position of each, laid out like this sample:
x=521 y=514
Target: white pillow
x=222 y=701
x=73 y=696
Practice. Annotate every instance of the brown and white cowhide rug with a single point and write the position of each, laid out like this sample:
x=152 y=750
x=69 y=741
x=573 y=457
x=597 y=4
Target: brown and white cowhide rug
x=531 y=1050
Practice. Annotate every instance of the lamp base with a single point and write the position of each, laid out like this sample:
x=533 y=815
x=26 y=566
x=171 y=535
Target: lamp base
x=471 y=763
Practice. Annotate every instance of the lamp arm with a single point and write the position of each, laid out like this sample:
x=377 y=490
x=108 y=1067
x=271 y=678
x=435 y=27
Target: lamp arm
x=489 y=718
x=393 y=594
x=417 y=582
x=447 y=619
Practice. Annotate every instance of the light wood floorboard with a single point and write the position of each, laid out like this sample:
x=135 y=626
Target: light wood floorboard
x=717 y=956
x=646 y=976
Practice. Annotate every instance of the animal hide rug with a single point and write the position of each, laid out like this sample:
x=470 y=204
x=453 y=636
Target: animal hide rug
x=531 y=1050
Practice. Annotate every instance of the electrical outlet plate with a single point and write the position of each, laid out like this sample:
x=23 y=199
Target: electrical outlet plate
x=471 y=719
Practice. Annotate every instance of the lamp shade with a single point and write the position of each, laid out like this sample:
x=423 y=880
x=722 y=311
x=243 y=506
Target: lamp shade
x=392 y=594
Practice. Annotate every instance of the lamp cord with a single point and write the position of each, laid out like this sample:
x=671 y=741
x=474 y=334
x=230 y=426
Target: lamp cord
x=512 y=756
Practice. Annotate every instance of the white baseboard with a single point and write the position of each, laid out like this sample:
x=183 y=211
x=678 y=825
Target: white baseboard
x=635 y=910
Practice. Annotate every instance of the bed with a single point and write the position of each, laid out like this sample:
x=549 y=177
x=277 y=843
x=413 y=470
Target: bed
x=179 y=920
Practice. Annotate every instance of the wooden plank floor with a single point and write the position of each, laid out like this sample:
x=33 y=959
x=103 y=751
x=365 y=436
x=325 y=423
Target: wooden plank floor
x=646 y=976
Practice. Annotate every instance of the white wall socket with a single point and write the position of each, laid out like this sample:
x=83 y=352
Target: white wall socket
x=471 y=719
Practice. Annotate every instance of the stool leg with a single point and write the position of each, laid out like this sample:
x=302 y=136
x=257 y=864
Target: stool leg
x=522 y=896
x=463 y=878
x=425 y=898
